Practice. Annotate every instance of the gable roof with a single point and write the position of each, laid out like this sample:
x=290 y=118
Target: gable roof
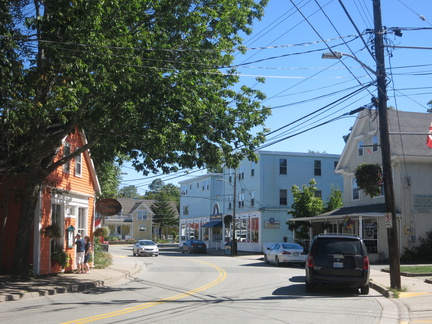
x=129 y=205
x=406 y=145
x=409 y=122
x=91 y=167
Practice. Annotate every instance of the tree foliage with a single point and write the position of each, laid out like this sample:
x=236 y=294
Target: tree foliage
x=145 y=83
x=306 y=204
x=129 y=192
x=109 y=175
x=163 y=213
x=334 y=201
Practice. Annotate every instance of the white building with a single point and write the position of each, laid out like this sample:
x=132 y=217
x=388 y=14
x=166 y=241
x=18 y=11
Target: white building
x=262 y=198
x=412 y=176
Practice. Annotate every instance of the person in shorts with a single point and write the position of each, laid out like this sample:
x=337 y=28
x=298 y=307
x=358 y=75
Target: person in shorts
x=87 y=253
x=80 y=250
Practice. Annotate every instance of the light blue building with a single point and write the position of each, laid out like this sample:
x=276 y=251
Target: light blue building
x=261 y=200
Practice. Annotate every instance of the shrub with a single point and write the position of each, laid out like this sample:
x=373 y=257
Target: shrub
x=420 y=253
x=102 y=231
x=102 y=259
x=60 y=257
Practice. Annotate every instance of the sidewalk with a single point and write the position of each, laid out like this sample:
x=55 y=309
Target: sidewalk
x=414 y=303
x=122 y=267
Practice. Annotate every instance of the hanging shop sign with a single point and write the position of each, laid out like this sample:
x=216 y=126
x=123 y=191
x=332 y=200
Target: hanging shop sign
x=108 y=207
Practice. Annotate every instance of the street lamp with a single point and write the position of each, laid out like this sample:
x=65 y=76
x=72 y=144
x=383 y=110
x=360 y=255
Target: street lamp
x=389 y=197
x=338 y=56
x=233 y=240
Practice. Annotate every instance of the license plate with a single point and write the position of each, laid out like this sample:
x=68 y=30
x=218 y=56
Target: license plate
x=337 y=264
x=296 y=253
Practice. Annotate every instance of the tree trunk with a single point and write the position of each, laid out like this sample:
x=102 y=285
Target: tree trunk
x=24 y=243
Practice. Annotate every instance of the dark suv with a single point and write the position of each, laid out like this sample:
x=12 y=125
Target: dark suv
x=337 y=260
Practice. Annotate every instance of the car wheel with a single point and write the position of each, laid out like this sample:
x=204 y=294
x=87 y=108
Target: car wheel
x=364 y=290
x=309 y=287
x=133 y=252
x=266 y=261
x=277 y=263
x=156 y=255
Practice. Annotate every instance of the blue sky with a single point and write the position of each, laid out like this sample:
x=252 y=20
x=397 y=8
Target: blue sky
x=286 y=47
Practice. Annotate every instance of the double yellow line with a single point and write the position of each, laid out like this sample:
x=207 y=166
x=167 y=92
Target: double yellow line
x=221 y=277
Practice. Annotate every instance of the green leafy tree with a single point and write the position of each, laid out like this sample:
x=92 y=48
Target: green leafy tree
x=306 y=204
x=144 y=83
x=171 y=191
x=156 y=186
x=129 y=192
x=109 y=175
x=334 y=201
x=430 y=106
x=164 y=214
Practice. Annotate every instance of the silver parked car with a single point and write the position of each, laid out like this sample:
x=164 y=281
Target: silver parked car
x=146 y=248
x=285 y=253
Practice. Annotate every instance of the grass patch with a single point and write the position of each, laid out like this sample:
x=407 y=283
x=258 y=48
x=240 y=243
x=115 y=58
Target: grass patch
x=416 y=269
x=395 y=292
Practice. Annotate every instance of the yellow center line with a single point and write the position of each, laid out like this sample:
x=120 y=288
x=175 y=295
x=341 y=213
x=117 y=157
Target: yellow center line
x=221 y=277
x=412 y=294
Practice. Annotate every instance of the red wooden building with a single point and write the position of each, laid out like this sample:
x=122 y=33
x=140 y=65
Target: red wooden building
x=67 y=201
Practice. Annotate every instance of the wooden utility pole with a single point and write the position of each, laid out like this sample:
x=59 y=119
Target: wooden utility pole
x=234 y=238
x=392 y=237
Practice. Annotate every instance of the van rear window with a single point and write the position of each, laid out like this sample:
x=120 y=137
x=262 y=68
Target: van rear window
x=339 y=246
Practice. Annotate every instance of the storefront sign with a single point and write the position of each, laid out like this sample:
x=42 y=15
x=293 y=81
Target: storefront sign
x=422 y=203
x=108 y=207
x=370 y=226
x=269 y=224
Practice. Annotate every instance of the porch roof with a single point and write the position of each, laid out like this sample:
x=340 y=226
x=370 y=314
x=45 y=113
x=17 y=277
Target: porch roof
x=365 y=211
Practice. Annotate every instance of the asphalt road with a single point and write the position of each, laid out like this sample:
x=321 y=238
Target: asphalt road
x=200 y=289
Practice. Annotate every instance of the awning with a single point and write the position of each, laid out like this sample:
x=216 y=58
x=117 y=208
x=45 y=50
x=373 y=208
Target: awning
x=213 y=224
x=364 y=211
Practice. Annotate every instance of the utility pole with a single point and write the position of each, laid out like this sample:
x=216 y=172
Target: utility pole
x=234 y=239
x=392 y=237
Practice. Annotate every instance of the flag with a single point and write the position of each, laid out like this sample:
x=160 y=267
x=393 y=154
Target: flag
x=348 y=222
x=429 y=138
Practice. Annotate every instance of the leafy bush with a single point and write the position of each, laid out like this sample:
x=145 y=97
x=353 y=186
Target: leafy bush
x=102 y=231
x=102 y=259
x=112 y=238
x=420 y=253
x=59 y=256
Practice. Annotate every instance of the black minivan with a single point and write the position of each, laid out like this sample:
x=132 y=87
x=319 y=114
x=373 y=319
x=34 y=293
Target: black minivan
x=338 y=259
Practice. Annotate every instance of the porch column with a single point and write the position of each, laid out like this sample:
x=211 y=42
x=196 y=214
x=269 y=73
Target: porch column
x=361 y=227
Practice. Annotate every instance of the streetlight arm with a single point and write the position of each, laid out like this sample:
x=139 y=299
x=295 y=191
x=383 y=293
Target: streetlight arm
x=338 y=55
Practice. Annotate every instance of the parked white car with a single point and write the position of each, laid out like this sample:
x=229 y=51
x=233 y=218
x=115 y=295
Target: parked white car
x=285 y=253
x=146 y=248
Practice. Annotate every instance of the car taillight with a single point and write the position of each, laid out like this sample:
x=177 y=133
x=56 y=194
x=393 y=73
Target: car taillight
x=286 y=252
x=194 y=245
x=310 y=261
x=365 y=263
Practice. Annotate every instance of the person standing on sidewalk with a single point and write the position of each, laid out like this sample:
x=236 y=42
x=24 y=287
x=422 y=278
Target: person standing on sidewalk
x=80 y=250
x=87 y=253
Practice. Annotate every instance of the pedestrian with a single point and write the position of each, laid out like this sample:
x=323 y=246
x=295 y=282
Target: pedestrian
x=87 y=253
x=285 y=239
x=80 y=250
